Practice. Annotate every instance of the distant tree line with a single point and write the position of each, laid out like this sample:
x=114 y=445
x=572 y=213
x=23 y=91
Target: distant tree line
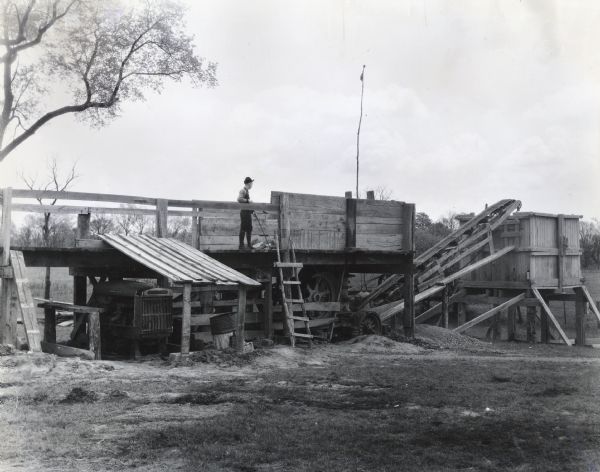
x=589 y=240
x=61 y=229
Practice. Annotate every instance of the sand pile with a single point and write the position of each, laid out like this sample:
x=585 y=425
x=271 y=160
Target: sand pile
x=379 y=344
x=445 y=338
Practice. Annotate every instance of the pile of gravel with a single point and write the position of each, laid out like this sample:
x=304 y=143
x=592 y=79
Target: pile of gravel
x=446 y=338
x=224 y=358
x=379 y=344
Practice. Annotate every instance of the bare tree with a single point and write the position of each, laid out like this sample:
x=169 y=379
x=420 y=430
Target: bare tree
x=100 y=225
x=104 y=52
x=54 y=182
x=383 y=193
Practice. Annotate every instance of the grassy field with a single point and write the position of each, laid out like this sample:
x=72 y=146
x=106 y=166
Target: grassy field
x=499 y=408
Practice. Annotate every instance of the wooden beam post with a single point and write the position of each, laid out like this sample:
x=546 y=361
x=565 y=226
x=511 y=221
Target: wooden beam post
x=80 y=281
x=186 y=319
x=196 y=230
x=50 y=325
x=240 y=319
x=560 y=241
x=162 y=213
x=268 y=308
x=408 y=318
x=580 y=312
x=445 y=303
x=8 y=332
x=284 y=224
x=94 y=334
x=511 y=323
x=351 y=208
x=370 y=195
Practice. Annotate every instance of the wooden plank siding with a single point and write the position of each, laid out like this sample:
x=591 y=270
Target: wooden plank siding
x=547 y=253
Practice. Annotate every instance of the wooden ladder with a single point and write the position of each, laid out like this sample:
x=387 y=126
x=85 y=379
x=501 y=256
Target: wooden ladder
x=288 y=281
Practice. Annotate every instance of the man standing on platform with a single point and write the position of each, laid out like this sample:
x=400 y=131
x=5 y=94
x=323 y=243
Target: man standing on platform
x=246 y=215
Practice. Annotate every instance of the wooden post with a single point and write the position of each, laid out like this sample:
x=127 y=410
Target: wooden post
x=284 y=224
x=268 y=308
x=544 y=326
x=8 y=332
x=196 y=229
x=445 y=303
x=408 y=319
x=186 y=319
x=50 y=325
x=580 y=306
x=240 y=319
x=370 y=195
x=348 y=194
x=94 y=334
x=531 y=316
x=79 y=281
x=351 y=207
x=162 y=213
x=560 y=241
x=511 y=323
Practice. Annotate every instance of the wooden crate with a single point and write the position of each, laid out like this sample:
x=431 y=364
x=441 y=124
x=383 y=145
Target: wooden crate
x=547 y=253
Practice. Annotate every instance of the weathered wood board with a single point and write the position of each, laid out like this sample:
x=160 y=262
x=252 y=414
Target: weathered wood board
x=547 y=252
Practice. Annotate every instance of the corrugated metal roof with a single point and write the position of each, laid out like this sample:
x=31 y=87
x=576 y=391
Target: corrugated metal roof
x=177 y=261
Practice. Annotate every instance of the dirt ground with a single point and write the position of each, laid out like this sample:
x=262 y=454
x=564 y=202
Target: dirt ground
x=445 y=403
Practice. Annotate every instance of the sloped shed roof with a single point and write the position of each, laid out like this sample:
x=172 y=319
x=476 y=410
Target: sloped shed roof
x=179 y=262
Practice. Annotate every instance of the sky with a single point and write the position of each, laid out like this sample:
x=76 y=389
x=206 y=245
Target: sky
x=465 y=102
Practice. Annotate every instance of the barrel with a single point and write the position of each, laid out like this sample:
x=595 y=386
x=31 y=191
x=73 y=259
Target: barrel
x=222 y=324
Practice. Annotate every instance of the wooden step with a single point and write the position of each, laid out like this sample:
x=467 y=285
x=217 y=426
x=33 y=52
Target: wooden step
x=294 y=300
x=291 y=282
x=301 y=318
x=303 y=335
x=296 y=265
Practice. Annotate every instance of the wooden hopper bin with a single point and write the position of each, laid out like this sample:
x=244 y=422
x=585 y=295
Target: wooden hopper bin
x=546 y=254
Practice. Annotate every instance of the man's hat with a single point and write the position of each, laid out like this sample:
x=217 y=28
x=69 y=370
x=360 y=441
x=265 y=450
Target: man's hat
x=247 y=180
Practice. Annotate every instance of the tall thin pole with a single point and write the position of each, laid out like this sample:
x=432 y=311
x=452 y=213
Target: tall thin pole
x=362 y=92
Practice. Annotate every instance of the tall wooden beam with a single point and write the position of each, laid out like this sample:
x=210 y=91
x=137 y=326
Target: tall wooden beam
x=162 y=213
x=268 y=308
x=186 y=319
x=240 y=319
x=445 y=303
x=408 y=318
x=351 y=208
x=80 y=281
x=8 y=328
x=580 y=313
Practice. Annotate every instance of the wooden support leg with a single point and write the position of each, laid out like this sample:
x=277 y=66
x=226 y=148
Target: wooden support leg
x=94 y=334
x=268 y=309
x=580 y=309
x=445 y=304
x=544 y=328
x=241 y=320
x=511 y=323
x=186 y=319
x=531 y=315
x=408 y=319
x=50 y=325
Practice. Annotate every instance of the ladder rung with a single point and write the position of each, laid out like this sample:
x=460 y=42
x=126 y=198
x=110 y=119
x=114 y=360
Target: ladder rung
x=300 y=318
x=302 y=335
x=294 y=300
x=291 y=282
x=297 y=265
